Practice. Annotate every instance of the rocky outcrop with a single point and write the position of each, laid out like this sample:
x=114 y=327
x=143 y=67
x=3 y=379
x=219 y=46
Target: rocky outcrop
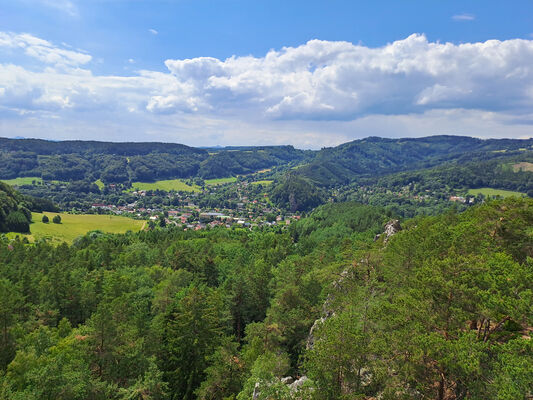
x=328 y=307
x=298 y=384
x=287 y=380
x=256 y=392
x=391 y=228
x=311 y=337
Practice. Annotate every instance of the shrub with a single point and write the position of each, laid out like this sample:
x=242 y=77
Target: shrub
x=56 y=219
x=45 y=219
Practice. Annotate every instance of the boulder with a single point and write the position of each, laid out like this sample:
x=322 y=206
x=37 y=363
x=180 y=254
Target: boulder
x=298 y=384
x=287 y=380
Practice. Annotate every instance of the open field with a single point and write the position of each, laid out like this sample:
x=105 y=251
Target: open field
x=220 y=181
x=99 y=183
x=488 y=192
x=523 y=166
x=264 y=183
x=167 y=185
x=28 y=180
x=73 y=226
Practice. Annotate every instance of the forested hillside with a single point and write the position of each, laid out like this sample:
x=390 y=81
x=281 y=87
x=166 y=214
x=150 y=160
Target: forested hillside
x=435 y=165
x=126 y=162
x=440 y=309
x=373 y=156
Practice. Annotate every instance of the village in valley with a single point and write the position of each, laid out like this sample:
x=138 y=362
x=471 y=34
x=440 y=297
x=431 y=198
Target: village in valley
x=242 y=207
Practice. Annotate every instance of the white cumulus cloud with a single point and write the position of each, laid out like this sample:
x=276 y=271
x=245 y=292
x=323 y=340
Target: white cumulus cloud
x=340 y=80
x=335 y=89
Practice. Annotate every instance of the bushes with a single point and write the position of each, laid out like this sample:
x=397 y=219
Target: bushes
x=56 y=219
x=45 y=219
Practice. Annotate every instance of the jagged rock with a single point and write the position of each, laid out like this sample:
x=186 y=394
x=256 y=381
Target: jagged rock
x=298 y=384
x=287 y=380
x=391 y=228
x=311 y=337
x=256 y=392
x=327 y=311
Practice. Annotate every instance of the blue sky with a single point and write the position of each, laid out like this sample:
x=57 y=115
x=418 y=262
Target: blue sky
x=308 y=73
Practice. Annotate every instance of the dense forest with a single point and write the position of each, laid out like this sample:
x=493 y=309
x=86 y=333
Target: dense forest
x=377 y=156
x=326 y=309
x=125 y=162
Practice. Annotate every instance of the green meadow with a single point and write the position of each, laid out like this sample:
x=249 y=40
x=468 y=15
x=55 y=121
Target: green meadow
x=166 y=185
x=27 y=180
x=73 y=225
x=99 y=183
x=489 y=192
x=264 y=183
x=220 y=181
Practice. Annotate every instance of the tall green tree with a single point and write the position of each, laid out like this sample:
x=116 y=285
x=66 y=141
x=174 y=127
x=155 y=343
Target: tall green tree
x=195 y=326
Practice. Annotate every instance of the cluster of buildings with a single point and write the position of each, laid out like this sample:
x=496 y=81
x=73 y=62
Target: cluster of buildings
x=193 y=217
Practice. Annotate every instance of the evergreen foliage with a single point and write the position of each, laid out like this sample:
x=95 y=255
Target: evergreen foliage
x=440 y=310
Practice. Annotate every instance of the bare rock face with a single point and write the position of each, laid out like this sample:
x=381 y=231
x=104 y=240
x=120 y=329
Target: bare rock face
x=311 y=337
x=298 y=384
x=287 y=380
x=256 y=393
x=391 y=228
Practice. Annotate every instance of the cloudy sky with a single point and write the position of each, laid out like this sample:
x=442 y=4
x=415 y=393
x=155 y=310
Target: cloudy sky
x=253 y=72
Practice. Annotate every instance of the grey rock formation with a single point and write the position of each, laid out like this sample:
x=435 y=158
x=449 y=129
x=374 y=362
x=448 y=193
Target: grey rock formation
x=391 y=228
x=256 y=393
x=298 y=384
x=287 y=380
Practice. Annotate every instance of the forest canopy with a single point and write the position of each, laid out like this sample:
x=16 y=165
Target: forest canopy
x=439 y=308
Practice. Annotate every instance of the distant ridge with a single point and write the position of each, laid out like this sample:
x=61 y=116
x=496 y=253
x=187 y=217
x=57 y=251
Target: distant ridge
x=148 y=161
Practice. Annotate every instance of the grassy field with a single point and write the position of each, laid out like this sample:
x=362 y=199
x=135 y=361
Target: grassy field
x=168 y=185
x=489 y=192
x=220 y=181
x=99 y=183
x=28 y=180
x=73 y=226
x=264 y=183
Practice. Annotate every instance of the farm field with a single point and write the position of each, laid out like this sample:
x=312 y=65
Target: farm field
x=167 y=185
x=523 y=166
x=27 y=180
x=264 y=183
x=220 y=181
x=73 y=225
x=494 y=192
x=99 y=183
